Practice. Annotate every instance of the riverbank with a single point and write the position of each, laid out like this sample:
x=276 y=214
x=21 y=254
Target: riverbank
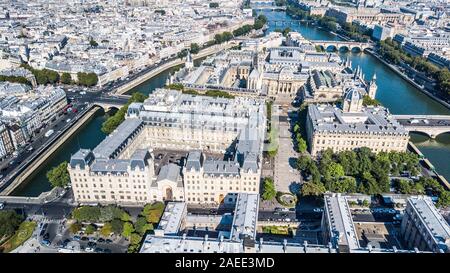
x=179 y=61
x=429 y=167
x=406 y=78
x=40 y=158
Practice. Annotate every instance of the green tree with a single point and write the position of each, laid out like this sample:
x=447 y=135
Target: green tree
x=90 y=229
x=312 y=189
x=59 y=175
x=66 y=78
x=349 y=162
x=9 y=222
x=93 y=43
x=333 y=170
x=195 y=48
x=114 y=121
x=303 y=162
x=125 y=217
x=86 y=214
x=111 y=212
x=106 y=230
x=301 y=145
x=152 y=212
x=117 y=226
x=142 y=226
x=286 y=31
x=87 y=79
x=344 y=184
x=128 y=229
x=444 y=199
x=135 y=239
x=52 y=76
x=269 y=191
x=75 y=227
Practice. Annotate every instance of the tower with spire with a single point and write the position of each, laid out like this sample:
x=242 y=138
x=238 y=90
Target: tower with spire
x=372 y=88
x=189 y=64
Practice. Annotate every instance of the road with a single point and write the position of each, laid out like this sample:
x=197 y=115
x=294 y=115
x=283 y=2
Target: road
x=10 y=167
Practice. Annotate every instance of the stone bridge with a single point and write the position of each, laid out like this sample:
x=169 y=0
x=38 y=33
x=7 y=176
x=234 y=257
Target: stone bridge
x=338 y=45
x=108 y=103
x=430 y=125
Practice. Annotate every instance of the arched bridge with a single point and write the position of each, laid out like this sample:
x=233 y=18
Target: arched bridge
x=338 y=45
x=109 y=102
x=431 y=125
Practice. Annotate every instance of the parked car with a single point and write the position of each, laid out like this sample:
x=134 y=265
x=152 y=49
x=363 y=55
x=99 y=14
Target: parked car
x=84 y=239
x=46 y=242
x=108 y=241
x=92 y=244
x=100 y=240
x=89 y=249
x=66 y=242
x=98 y=250
x=46 y=236
x=76 y=238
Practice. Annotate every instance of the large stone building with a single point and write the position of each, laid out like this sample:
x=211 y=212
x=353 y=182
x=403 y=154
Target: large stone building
x=121 y=169
x=423 y=227
x=275 y=72
x=369 y=16
x=353 y=126
x=328 y=86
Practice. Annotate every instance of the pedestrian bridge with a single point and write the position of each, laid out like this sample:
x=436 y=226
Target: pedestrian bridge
x=341 y=45
x=430 y=125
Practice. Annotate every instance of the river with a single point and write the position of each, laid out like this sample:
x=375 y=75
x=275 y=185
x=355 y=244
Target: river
x=393 y=92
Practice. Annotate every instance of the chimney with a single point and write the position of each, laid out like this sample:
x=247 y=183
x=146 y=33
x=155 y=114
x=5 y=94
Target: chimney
x=305 y=246
x=285 y=245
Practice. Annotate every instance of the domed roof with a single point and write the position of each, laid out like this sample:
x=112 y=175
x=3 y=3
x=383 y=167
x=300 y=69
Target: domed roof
x=353 y=95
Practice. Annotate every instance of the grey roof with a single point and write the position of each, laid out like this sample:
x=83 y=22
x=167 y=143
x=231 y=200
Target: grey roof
x=170 y=172
x=340 y=221
x=139 y=159
x=112 y=145
x=194 y=161
x=172 y=218
x=433 y=221
x=82 y=158
x=110 y=166
x=377 y=120
x=220 y=167
x=245 y=217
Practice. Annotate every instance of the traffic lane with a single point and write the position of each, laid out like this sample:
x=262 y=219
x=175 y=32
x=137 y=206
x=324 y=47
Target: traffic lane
x=373 y=217
x=40 y=144
x=275 y=216
x=118 y=245
x=38 y=140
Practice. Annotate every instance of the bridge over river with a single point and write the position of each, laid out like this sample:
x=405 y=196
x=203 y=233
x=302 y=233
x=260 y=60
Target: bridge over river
x=431 y=125
x=340 y=45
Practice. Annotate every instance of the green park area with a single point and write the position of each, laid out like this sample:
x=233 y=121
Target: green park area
x=22 y=234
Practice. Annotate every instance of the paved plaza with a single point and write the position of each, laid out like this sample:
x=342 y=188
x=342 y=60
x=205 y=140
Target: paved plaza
x=286 y=176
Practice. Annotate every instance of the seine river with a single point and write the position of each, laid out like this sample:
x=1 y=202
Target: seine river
x=393 y=92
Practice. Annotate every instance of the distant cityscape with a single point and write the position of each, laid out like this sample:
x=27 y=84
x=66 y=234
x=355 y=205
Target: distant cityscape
x=258 y=140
